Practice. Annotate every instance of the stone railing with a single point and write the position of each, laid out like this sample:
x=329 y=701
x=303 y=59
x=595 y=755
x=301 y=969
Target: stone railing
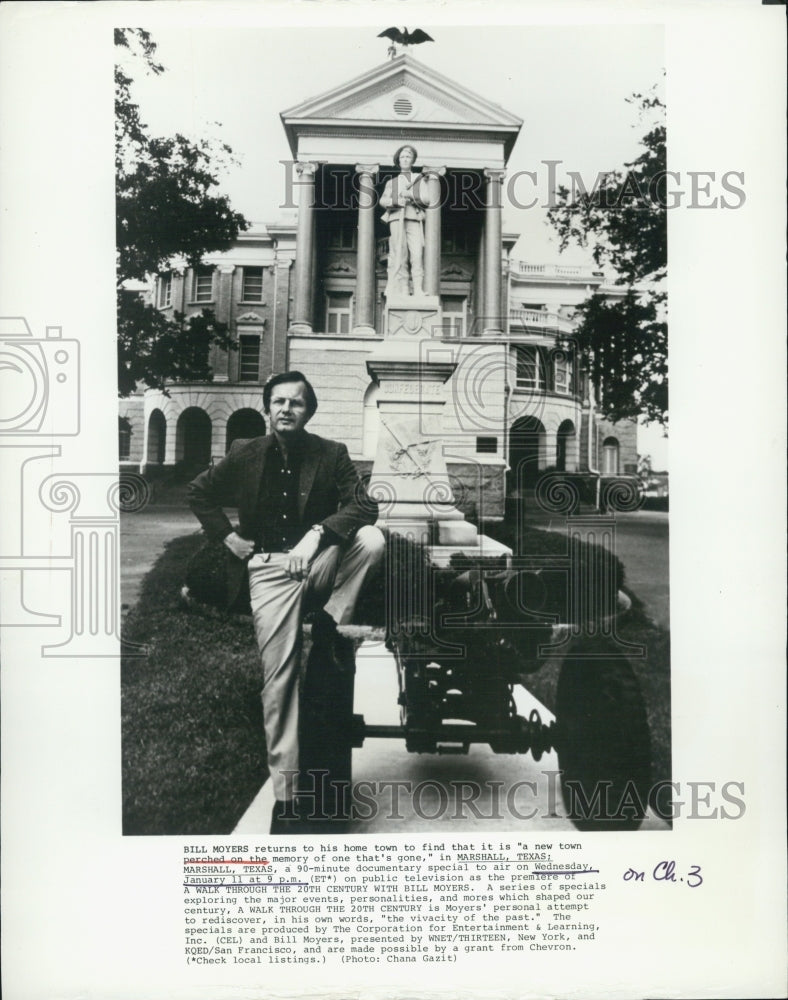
x=552 y=270
x=524 y=318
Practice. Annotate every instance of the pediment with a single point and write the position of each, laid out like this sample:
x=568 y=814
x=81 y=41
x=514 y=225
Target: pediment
x=402 y=91
x=251 y=317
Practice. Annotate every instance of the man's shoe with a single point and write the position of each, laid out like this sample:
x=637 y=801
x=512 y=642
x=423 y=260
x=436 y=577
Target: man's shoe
x=331 y=655
x=336 y=652
x=324 y=628
x=285 y=818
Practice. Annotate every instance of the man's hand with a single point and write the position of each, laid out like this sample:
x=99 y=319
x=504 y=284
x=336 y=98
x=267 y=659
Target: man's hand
x=242 y=548
x=301 y=555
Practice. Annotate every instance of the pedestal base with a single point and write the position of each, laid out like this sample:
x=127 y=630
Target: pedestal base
x=446 y=527
x=453 y=532
x=363 y=330
x=416 y=316
x=409 y=476
x=486 y=548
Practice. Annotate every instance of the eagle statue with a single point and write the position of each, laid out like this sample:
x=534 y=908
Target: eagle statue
x=404 y=38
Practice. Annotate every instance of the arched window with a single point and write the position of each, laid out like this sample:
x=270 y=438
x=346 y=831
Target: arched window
x=566 y=447
x=124 y=439
x=157 y=437
x=610 y=456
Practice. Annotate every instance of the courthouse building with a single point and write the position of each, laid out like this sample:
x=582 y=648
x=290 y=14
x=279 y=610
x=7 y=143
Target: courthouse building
x=310 y=295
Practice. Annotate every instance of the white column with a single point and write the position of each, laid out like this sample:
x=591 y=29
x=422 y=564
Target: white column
x=220 y=360
x=305 y=241
x=364 y=320
x=492 y=320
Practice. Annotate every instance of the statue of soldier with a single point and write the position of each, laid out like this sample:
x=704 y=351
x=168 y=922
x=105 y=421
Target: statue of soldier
x=404 y=213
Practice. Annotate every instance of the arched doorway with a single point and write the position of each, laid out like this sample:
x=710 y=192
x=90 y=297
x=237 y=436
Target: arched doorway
x=565 y=447
x=610 y=456
x=157 y=438
x=526 y=452
x=244 y=423
x=193 y=438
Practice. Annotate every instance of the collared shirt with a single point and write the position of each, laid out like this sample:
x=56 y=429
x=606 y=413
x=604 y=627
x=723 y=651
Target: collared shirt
x=279 y=525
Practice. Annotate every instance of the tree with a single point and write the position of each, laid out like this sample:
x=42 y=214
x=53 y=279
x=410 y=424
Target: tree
x=167 y=206
x=622 y=340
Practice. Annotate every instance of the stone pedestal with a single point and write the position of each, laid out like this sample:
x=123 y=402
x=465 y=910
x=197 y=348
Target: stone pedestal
x=409 y=476
x=412 y=317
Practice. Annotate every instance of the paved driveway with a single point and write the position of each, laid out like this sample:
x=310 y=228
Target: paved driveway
x=143 y=536
x=641 y=544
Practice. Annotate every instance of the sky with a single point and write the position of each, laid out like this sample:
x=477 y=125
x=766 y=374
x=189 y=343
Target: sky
x=569 y=84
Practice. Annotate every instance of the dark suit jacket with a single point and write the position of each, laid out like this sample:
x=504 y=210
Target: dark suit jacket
x=329 y=493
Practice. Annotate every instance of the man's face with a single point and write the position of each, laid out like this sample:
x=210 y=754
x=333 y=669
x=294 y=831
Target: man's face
x=288 y=411
x=406 y=159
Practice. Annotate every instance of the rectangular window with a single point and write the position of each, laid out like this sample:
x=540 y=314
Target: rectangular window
x=486 y=445
x=165 y=290
x=342 y=235
x=202 y=286
x=249 y=358
x=562 y=374
x=453 y=307
x=338 y=308
x=529 y=369
x=455 y=239
x=252 y=284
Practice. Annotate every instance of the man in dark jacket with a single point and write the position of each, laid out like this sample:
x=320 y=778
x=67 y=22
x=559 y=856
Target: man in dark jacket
x=306 y=538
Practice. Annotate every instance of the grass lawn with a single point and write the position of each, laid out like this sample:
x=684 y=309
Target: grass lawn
x=193 y=747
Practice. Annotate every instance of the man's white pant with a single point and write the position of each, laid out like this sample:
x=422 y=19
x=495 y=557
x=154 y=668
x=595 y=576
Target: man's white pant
x=406 y=246
x=334 y=581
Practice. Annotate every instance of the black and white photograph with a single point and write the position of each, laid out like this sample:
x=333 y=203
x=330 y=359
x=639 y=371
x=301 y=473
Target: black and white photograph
x=464 y=285
x=392 y=564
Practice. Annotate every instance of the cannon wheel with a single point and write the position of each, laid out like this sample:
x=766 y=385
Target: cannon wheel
x=603 y=738
x=326 y=736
